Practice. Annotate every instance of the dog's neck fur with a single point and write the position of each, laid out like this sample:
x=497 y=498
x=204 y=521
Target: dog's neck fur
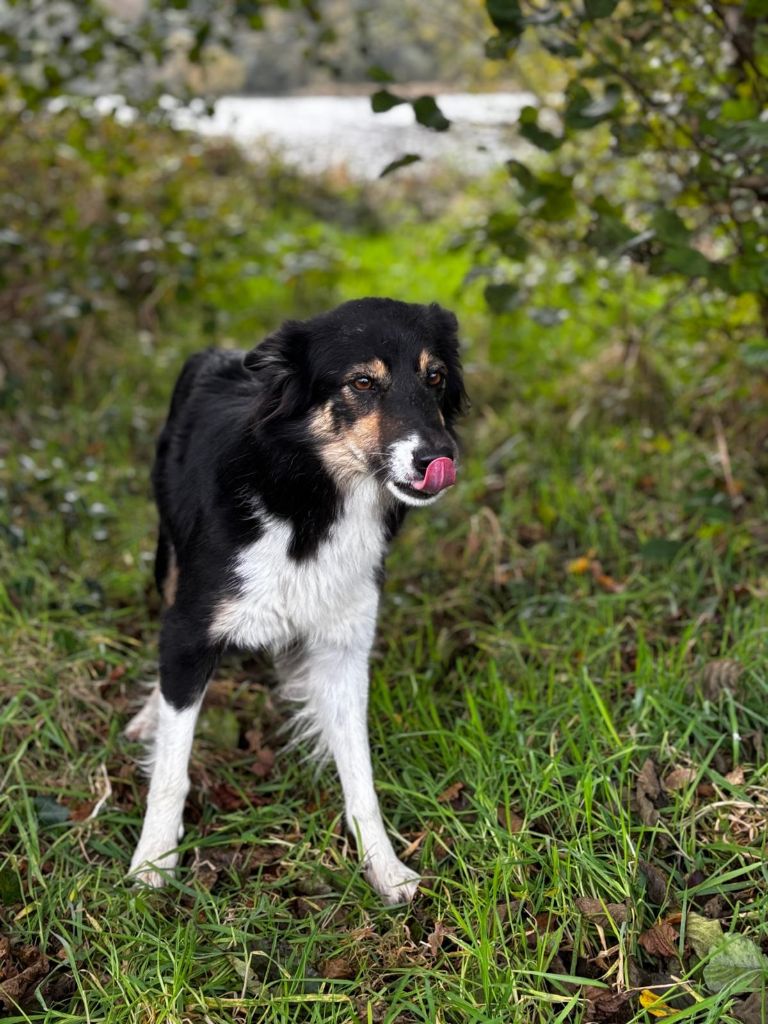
x=301 y=490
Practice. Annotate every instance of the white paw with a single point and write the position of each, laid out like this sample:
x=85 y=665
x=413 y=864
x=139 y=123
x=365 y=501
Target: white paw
x=392 y=880
x=143 y=725
x=152 y=867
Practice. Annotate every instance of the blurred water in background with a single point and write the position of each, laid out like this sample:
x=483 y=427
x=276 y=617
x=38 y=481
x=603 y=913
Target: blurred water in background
x=319 y=133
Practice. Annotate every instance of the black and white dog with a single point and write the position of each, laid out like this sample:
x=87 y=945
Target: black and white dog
x=281 y=476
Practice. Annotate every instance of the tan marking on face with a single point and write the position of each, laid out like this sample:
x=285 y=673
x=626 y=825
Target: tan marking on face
x=171 y=581
x=321 y=424
x=345 y=451
x=374 y=368
x=425 y=360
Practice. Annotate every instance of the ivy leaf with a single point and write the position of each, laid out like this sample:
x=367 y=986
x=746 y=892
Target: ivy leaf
x=429 y=114
x=384 y=100
x=506 y=16
x=600 y=8
x=402 y=161
x=501 y=228
x=583 y=110
x=738 y=964
x=502 y=298
x=530 y=130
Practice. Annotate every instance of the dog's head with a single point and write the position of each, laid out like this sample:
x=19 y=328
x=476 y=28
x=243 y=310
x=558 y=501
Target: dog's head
x=377 y=387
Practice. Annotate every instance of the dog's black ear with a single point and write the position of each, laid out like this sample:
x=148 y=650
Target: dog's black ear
x=279 y=362
x=446 y=327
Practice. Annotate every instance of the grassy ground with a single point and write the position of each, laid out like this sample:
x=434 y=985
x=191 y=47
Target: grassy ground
x=567 y=716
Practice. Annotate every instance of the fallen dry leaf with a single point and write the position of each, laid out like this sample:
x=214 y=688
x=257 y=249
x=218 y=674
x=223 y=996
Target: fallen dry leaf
x=578 y=566
x=23 y=968
x=655 y=1005
x=509 y=820
x=337 y=968
x=601 y=913
x=721 y=675
x=606 y=1006
x=659 y=940
x=436 y=936
x=449 y=795
x=753 y=1010
x=679 y=778
x=647 y=789
x=656 y=882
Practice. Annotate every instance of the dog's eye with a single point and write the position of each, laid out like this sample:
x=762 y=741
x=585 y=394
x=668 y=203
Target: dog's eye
x=435 y=378
x=362 y=383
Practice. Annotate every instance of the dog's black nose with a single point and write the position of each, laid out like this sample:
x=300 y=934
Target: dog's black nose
x=423 y=457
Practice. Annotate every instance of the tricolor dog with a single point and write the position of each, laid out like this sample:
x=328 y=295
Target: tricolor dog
x=281 y=476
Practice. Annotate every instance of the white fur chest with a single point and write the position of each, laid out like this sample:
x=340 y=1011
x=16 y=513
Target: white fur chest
x=327 y=596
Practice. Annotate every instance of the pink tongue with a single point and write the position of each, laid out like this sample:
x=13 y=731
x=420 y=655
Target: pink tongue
x=441 y=473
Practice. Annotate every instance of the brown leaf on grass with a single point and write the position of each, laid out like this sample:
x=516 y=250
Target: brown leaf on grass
x=659 y=940
x=264 y=763
x=753 y=1010
x=226 y=798
x=647 y=789
x=436 y=937
x=608 y=583
x=608 y=1007
x=22 y=968
x=81 y=812
x=679 y=778
x=600 y=913
x=719 y=676
x=656 y=882
x=414 y=844
x=509 y=820
x=603 y=580
x=337 y=968
x=451 y=793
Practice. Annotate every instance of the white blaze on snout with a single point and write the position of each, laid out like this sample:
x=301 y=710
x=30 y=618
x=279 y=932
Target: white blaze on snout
x=400 y=465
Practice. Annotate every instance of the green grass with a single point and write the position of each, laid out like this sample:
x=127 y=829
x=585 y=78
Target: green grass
x=514 y=702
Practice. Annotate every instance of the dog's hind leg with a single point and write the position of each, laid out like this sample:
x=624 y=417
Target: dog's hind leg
x=143 y=725
x=330 y=683
x=186 y=663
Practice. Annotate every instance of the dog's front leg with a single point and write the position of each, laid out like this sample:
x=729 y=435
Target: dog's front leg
x=332 y=685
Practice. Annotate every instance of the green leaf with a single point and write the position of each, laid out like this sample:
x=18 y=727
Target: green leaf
x=755 y=354
x=669 y=227
x=680 y=259
x=607 y=233
x=220 y=727
x=583 y=110
x=402 y=161
x=600 y=8
x=506 y=15
x=429 y=114
x=501 y=229
x=529 y=129
x=10 y=886
x=502 y=298
x=737 y=964
x=384 y=100
x=50 y=811
x=703 y=933
x=660 y=549
x=376 y=73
